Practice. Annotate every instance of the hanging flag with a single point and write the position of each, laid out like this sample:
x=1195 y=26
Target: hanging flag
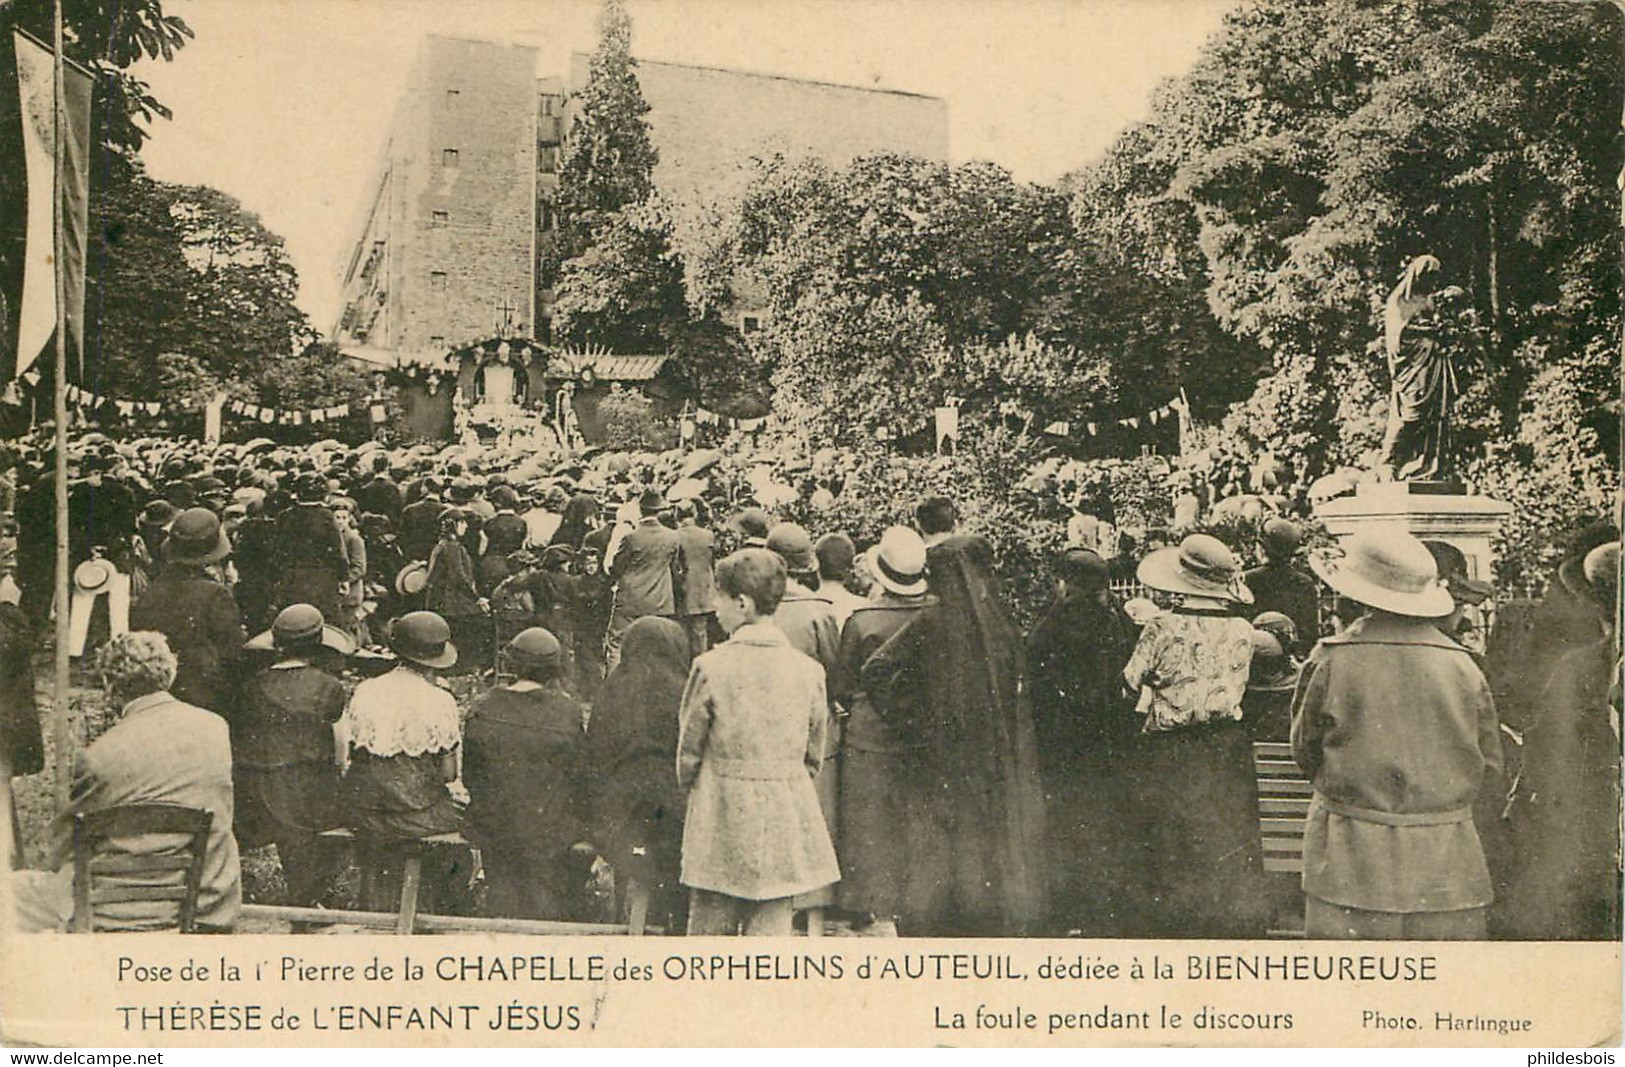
x=341 y=411
x=126 y=408
x=1133 y=421
x=35 y=292
x=267 y=415
x=1094 y=429
x=947 y=418
x=153 y=407
x=318 y=415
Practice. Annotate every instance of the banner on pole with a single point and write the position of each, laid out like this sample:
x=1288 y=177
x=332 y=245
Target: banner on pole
x=37 y=313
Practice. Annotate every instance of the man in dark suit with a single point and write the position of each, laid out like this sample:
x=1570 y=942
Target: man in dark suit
x=196 y=612
x=310 y=557
x=380 y=496
x=420 y=521
x=697 y=590
x=645 y=570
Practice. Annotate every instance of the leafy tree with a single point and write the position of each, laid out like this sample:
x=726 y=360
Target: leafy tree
x=241 y=306
x=318 y=376
x=626 y=289
x=109 y=37
x=608 y=159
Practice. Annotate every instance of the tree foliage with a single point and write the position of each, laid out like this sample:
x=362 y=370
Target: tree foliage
x=109 y=37
x=188 y=293
x=1316 y=147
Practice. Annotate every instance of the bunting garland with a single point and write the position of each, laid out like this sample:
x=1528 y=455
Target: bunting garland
x=1063 y=427
x=702 y=417
x=84 y=398
x=275 y=416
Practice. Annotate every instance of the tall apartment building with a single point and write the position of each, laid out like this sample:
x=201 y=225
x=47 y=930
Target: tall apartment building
x=447 y=240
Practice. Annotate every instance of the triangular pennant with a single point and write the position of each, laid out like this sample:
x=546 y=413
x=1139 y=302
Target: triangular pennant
x=1060 y=429
x=1133 y=421
x=153 y=407
x=1155 y=415
x=1094 y=429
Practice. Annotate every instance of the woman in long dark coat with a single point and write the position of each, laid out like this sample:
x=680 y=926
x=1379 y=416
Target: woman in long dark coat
x=952 y=679
x=875 y=796
x=282 y=750
x=636 y=802
x=1567 y=886
x=1085 y=729
x=522 y=764
x=451 y=592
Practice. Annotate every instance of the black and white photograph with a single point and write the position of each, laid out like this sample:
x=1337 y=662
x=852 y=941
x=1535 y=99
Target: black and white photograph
x=1061 y=469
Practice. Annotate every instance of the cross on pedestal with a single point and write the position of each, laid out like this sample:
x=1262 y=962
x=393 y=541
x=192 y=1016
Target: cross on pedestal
x=505 y=312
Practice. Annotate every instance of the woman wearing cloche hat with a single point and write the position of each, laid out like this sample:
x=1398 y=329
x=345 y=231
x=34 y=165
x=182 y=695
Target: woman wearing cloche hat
x=1195 y=803
x=402 y=734
x=1395 y=725
x=282 y=749
x=523 y=769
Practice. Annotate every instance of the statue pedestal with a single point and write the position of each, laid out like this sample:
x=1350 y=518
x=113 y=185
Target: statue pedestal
x=1468 y=522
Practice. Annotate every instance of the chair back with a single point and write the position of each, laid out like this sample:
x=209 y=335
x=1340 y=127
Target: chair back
x=131 y=878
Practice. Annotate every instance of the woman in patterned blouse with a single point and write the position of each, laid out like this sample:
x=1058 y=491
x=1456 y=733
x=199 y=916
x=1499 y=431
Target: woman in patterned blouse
x=1195 y=812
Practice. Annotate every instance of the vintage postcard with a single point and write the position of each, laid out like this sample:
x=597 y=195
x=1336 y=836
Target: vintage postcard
x=1065 y=522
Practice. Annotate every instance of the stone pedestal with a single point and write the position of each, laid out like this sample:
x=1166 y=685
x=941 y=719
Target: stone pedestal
x=1468 y=522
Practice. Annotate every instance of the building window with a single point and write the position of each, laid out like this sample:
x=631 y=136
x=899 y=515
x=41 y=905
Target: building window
x=437 y=281
x=439 y=218
x=547 y=159
x=749 y=323
x=548 y=104
x=448 y=157
x=544 y=216
x=451 y=96
x=437 y=340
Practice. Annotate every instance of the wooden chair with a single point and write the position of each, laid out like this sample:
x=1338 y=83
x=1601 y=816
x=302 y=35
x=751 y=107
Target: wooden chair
x=140 y=878
x=1283 y=809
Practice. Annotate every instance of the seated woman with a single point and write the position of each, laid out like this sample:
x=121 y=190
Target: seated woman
x=161 y=751
x=282 y=744
x=750 y=742
x=402 y=735
x=637 y=806
x=522 y=767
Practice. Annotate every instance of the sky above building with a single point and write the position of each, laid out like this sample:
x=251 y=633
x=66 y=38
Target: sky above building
x=285 y=104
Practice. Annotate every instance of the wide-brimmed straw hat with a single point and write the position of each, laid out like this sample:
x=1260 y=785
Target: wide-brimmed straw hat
x=195 y=537
x=412 y=578
x=423 y=637
x=93 y=575
x=1201 y=565
x=897 y=561
x=301 y=624
x=1387 y=569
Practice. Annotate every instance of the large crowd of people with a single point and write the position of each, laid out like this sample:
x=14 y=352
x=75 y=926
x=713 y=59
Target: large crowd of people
x=615 y=664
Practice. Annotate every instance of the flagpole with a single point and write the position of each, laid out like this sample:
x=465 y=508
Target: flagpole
x=63 y=728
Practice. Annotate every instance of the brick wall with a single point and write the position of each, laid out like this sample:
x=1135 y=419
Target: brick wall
x=706 y=122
